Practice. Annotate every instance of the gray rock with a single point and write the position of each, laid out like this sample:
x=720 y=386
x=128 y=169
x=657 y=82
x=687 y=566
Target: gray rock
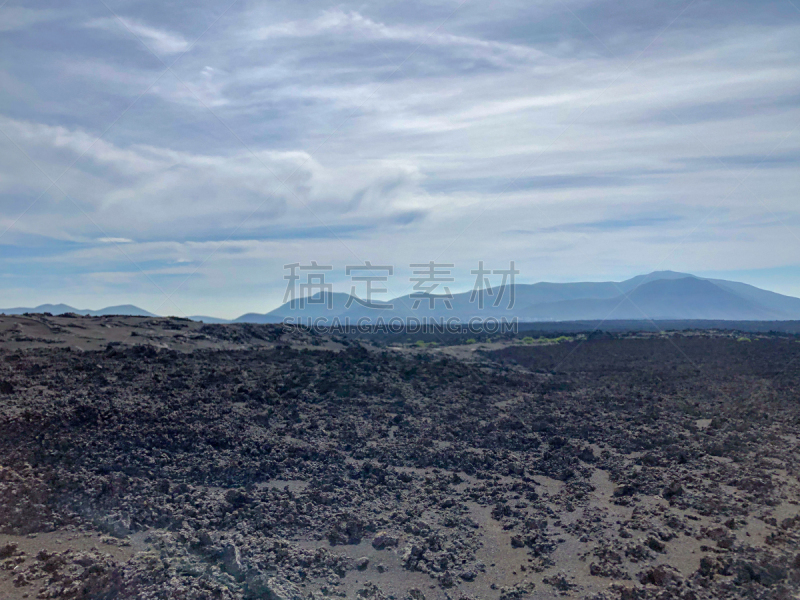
x=232 y=560
x=468 y=575
x=384 y=539
x=279 y=588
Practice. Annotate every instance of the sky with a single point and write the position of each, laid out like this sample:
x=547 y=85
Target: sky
x=177 y=155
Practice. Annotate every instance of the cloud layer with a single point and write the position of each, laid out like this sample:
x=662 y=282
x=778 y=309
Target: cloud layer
x=178 y=156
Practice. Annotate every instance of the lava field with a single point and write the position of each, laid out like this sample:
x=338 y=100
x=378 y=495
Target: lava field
x=262 y=463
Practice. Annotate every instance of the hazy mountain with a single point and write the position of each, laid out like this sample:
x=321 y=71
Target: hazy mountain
x=60 y=309
x=312 y=307
x=661 y=295
x=525 y=295
x=210 y=320
x=634 y=282
x=658 y=295
x=55 y=309
x=686 y=298
x=123 y=309
x=769 y=300
x=256 y=318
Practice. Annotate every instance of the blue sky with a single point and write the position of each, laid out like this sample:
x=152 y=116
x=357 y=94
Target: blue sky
x=176 y=155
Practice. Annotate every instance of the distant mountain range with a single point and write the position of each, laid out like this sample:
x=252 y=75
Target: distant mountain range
x=662 y=295
x=61 y=309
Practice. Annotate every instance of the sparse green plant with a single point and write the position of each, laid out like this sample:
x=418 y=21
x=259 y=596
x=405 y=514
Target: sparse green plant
x=424 y=344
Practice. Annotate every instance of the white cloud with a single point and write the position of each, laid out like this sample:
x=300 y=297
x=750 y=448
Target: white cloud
x=352 y=25
x=113 y=240
x=158 y=40
x=147 y=191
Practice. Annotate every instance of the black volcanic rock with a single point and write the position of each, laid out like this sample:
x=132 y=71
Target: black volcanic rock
x=277 y=468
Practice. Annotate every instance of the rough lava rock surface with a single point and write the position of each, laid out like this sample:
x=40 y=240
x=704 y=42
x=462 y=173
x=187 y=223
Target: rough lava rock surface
x=284 y=465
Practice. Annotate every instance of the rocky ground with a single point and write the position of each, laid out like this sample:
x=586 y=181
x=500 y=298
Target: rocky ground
x=241 y=462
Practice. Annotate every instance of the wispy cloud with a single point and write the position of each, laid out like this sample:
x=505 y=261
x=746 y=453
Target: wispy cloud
x=113 y=240
x=352 y=23
x=159 y=40
x=604 y=225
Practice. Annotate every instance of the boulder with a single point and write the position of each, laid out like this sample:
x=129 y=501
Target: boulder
x=384 y=539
